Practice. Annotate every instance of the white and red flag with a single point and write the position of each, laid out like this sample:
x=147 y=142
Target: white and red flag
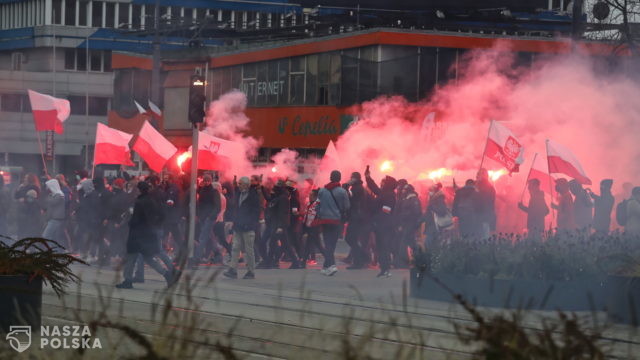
x=504 y=147
x=540 y=170
x=154 y=148
x=112 y=146
x=215 y=153
x=48 y=112
x=563 y=161
x=155 y=110
x=141 y=110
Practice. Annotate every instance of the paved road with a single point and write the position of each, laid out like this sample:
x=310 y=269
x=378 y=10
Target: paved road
x=281 y=314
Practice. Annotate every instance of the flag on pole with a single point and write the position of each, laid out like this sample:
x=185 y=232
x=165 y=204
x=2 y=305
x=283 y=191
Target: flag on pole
x=48 y=112
x=154 y=148
x=504 y=147
x=215 y=153
x=563 y=161
x=155 y=110
x=428 y=124
x=540 y=170
x=141 y=110
x=112 y=146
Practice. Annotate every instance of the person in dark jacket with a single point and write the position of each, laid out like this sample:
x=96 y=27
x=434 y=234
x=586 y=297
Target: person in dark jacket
x=566 y=214
x=486 y=217
x=143 y=237
x=29 y=210
x=436 y=209
x=334 y=202
x=88 y=218
x=117 y=218
x=582 y=205
x=173 y=213
x=278 y=218
x=536 y=211
x=208 y=209
x=357 y=232
x=295 y=209
x=98 y=233
x=466 y=208
x=310 y=229
x=55 y=213
x=603 y=205
x=247 y=214
x=409 y=215
x=383 y=204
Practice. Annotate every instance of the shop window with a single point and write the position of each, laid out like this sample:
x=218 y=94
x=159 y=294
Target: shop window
x=283 y=78
x=335 y=76
x=261 y=83
x=297 y=80
x=274 y=85
x=70 y=59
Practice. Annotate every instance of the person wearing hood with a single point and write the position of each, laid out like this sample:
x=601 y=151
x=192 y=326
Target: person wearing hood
x=566 y=214
x=384 y=204
x=118 y=215
x=582 y=205
x=29 y=210
x=409 y=213
x=208 y=208
x=88 y=218
x=466 y=207
x=332 y=208
x=278 y=218
x=603 y=206
x=357 y=232
x=536 y=211
x=55 y=212
x=143 y=237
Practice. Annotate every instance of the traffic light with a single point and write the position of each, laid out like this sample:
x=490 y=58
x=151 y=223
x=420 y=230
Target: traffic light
x=196 y=99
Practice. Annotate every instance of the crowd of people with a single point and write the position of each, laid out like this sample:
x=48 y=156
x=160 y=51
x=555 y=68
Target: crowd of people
x=132 y=220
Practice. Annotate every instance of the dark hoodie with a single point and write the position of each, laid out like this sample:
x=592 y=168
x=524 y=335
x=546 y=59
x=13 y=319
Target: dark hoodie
x=277 y=213
x=384 y=201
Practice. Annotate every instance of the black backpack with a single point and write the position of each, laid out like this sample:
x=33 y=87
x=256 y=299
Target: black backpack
x=621 y=213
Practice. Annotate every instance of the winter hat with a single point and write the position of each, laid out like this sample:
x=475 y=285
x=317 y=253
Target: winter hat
x=144 y=187
x=336 y=176
x=119 y=183
x=391 y=181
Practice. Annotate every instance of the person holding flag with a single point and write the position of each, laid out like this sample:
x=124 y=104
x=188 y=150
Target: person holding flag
x=536 y=210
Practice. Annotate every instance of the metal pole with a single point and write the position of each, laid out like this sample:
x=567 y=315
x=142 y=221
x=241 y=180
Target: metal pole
x=155 y=71
x=192 y=192
x=86 y=110
x=486 y=144
x=553 y=211
x=53 y=134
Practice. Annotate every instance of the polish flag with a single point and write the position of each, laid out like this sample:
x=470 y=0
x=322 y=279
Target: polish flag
x=428 y=124
x=331 y=154
x=504 y=147
x=155 y=110
x=154 y=148
x=48 y=112
x=215 y=153
x=563 y=161
x=141 y=110
x=112 y=146
x=540 y=170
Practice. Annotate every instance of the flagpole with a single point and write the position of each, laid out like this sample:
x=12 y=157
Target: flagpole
x=528 y=175
x=192 y=194
x=553 y=211
x=486 y=144
x=53 y=134
x=44 y=162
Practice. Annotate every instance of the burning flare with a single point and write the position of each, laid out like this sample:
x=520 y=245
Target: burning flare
x=386 y=166
x=438 y=174
x=182 y=158
x=274 y=169
x=494 y=175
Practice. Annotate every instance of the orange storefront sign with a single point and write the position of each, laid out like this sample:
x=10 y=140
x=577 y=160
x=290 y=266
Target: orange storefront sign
x=298 y=127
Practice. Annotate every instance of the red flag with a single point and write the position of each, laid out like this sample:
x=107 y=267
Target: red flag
x=112 y=146
x=539 y=170
x=154 y=148
x=215 y=153
x=562 y=161
x=48 y=112
x=503 y=147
